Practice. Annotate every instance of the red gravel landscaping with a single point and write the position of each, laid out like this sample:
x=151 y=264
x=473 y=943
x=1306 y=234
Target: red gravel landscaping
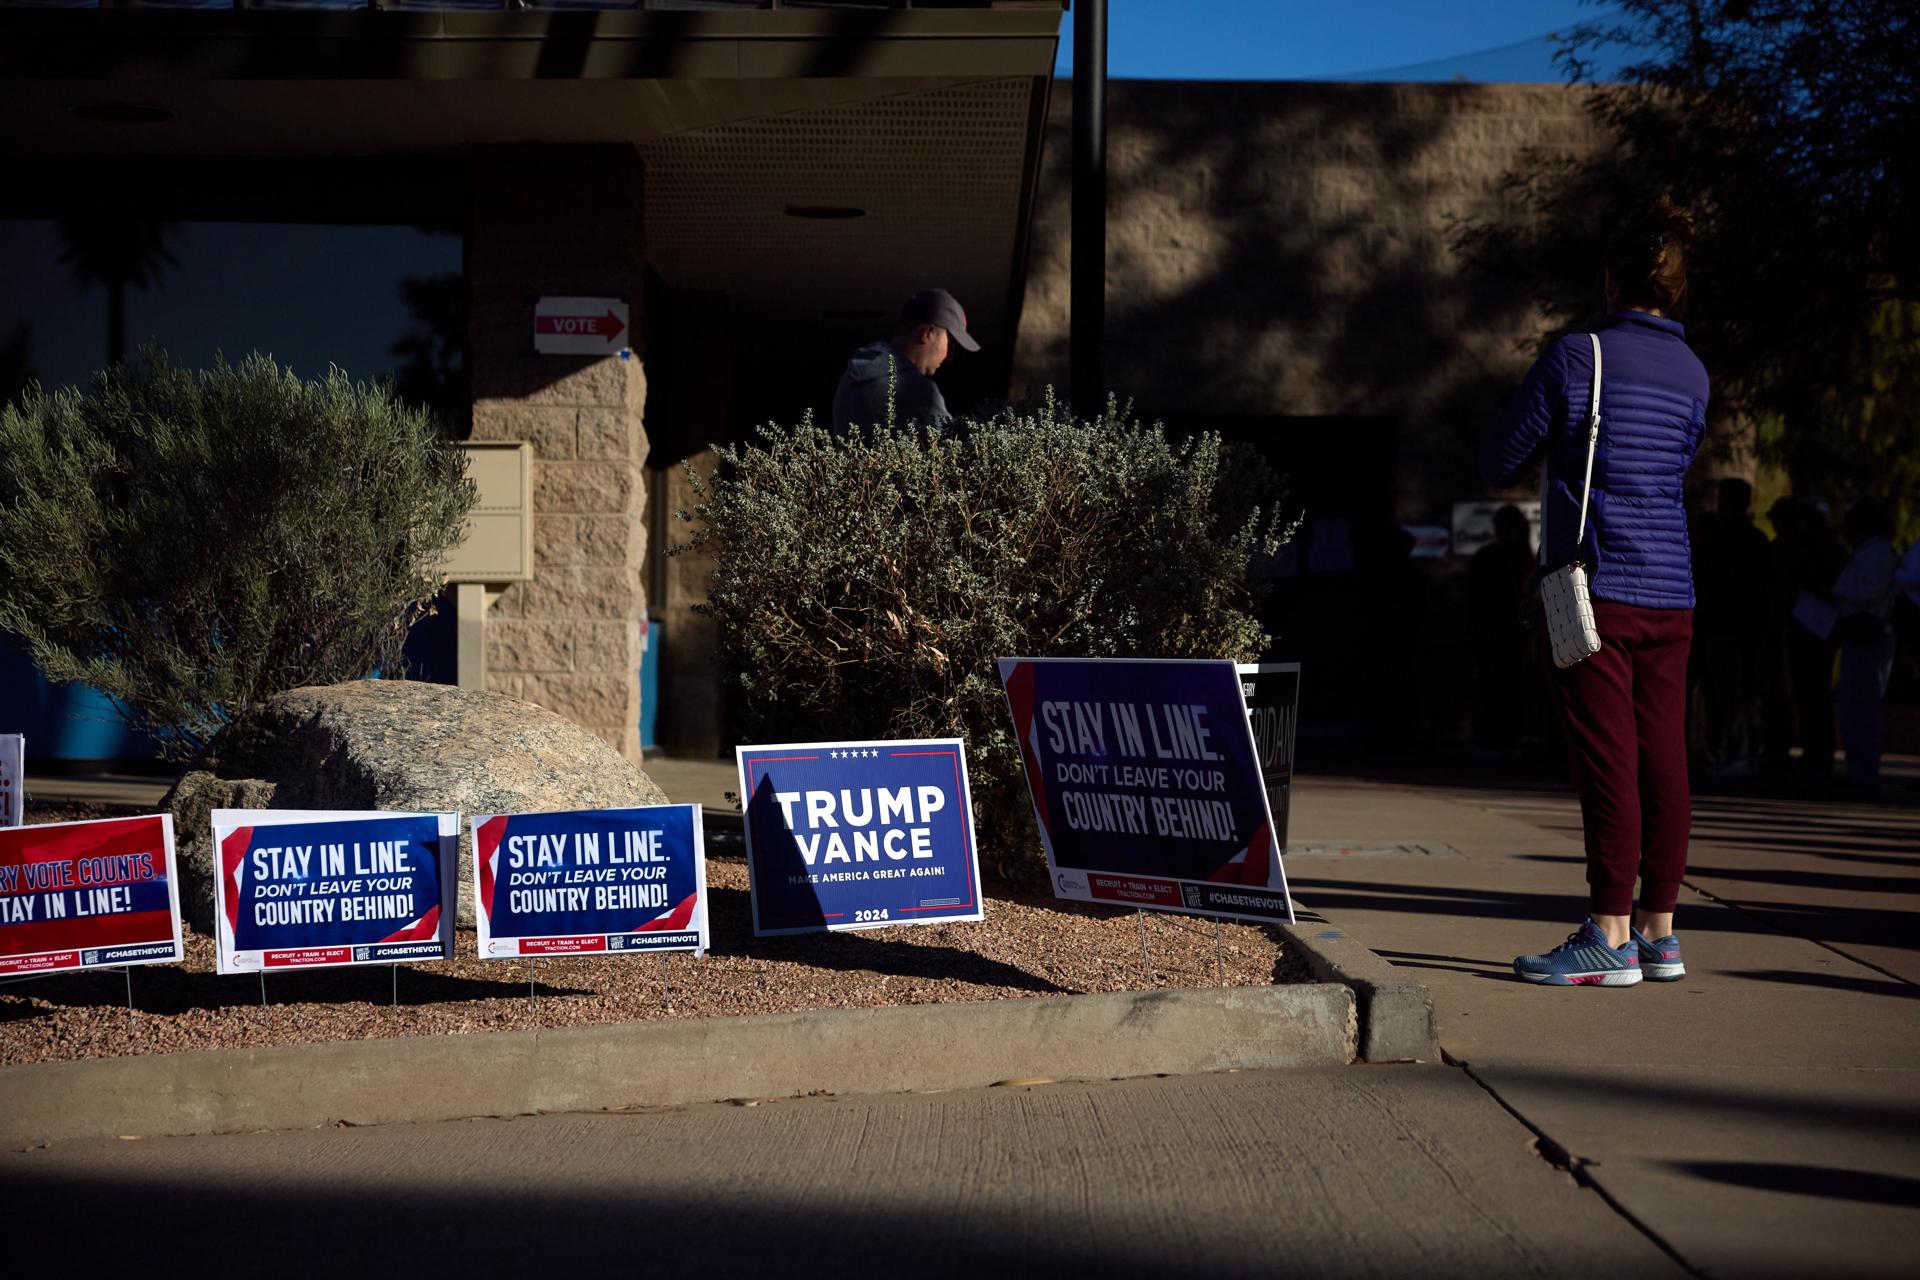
x=1028 y=945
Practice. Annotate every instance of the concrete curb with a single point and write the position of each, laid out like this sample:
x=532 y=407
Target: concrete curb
x=1396 y=1012
x=919 y=1047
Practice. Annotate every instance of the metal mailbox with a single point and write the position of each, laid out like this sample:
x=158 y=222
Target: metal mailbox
x=497 y=549
x=498 y=546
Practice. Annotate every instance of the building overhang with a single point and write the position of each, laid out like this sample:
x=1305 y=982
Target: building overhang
x=277 y=81
x=927 y=121
x=68 y=43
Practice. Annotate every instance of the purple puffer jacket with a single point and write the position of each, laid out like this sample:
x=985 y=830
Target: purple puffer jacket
x=1653 y=414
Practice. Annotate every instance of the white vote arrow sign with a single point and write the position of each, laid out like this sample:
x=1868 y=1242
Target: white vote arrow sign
x=580 y=326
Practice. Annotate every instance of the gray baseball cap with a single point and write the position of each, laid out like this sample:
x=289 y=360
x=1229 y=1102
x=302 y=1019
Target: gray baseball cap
x=937 y=306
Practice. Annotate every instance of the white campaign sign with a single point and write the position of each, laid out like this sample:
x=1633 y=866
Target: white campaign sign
x=334 y=900
x=13 y=779
x=580 y=326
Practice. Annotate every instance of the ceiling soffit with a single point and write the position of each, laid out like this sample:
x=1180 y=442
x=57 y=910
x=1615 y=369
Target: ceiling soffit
x=939 y=178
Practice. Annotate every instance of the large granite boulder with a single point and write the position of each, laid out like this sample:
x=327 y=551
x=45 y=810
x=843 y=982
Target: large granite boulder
x=399 y=745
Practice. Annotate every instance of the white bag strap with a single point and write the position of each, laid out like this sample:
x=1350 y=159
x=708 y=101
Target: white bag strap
x=1593 y=438
x=1586 y=485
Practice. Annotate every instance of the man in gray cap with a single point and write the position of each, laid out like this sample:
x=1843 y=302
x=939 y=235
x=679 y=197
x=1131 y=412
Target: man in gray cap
x=929 y=321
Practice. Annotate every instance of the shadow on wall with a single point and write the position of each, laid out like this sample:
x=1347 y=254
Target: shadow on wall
x=1286 y=248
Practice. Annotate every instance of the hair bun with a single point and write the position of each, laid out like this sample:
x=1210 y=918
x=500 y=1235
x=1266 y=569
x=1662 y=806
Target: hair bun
x=1646 y=259
x=1673 y=219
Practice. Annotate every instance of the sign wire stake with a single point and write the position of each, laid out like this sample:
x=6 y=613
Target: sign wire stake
x=396 y=984
x=263 y=995
x=1146 y=960
x=533 y=1001
x=128 y=970
x=1219 y=962
x=666 y=992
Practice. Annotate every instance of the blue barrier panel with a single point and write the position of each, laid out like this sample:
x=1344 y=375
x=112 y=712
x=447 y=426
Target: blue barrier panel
x=656 y=639
x=63 y=721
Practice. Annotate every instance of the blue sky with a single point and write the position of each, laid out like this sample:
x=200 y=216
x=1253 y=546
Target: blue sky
x=1333 y=39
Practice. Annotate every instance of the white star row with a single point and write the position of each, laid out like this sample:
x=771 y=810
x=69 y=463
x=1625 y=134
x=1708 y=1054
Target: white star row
x=861 y=754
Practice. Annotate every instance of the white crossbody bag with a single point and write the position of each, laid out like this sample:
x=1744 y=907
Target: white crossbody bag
x=1563 y=592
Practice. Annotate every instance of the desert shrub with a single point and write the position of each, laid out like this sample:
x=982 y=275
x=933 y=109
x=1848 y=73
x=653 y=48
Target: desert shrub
x=191 y=543
x=864 y=586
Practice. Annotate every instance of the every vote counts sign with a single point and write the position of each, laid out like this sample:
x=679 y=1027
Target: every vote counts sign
x=859 y=835
x=80 y=895
x=619 y=880
x=299 y=889
x=1147 y=784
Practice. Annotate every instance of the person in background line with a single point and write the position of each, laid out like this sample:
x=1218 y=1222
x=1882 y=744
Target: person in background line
x=1906 y=627
x=1624 y=707
x=1807 y=558
x=1731 y=574
x=931 y=322
x=1395 y=604
x=1863 y=594
x=1706 y=579
x=1496 y=593
x=1776 y=684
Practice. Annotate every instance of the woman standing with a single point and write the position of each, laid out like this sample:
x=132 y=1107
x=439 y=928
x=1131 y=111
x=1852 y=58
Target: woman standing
x=1624 y=708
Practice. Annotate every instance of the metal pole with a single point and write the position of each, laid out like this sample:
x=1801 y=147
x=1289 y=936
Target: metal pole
x=1146 y=961
x=1088 y=288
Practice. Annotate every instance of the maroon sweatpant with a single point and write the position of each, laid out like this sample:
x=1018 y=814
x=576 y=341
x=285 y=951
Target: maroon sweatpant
x=1624 y=710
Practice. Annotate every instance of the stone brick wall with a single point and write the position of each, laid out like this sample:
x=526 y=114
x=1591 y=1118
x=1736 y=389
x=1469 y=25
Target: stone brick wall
x=560 y=221
x=1286 y=250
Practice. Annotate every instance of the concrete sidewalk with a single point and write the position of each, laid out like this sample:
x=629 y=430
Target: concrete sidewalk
x=1360 y=1172
x=707 y=782
x=1759 y=1116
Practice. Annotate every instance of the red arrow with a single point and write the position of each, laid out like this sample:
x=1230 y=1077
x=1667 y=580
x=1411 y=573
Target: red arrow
x=608 y=326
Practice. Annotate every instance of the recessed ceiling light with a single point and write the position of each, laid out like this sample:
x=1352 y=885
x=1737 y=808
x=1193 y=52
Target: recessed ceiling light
x=123 y=113
x=824 y=212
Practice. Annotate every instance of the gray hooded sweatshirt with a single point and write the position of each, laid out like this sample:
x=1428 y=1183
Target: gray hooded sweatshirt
x=860 y=402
